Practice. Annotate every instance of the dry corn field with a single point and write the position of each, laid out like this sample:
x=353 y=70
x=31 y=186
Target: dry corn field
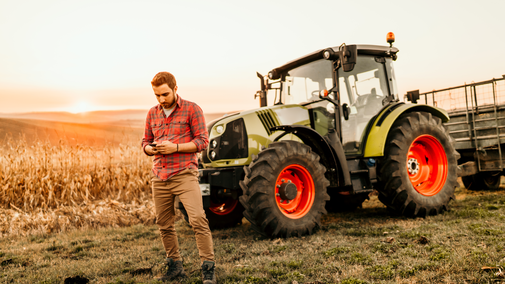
x=48 y=188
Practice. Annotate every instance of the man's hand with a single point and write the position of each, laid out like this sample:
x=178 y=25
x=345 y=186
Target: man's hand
x=150 y=150
x=166 y=148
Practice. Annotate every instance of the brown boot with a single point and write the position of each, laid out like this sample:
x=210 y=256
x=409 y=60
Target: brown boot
x=174 y=270
x=208 y=275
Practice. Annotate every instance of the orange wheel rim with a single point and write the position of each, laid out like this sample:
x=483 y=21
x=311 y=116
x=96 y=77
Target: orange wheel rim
x=223 y=208
x=427 y=165
x=294 y=191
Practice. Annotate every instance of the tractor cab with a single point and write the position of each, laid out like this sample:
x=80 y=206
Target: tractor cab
x=343 y=87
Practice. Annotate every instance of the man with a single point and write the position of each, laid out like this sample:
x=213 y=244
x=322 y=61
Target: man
x=175 y=131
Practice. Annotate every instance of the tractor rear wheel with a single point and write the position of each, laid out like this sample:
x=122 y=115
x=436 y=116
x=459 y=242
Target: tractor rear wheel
x=417 y=176
x=482 y=181
x=284 y=190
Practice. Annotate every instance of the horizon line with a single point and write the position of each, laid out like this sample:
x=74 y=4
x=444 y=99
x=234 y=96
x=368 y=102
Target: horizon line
x=92 y=111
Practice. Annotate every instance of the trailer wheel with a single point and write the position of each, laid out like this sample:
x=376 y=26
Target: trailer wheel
x=221 y=214
x=417 y=176
x=284 y=190
x=482 y=181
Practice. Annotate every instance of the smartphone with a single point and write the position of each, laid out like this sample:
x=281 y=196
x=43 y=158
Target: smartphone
x=152 y=144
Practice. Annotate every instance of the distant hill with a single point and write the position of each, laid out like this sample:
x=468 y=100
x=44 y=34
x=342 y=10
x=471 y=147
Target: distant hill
x=93 y=128
x=100 y=116
x=85 y=117
x=92 y=134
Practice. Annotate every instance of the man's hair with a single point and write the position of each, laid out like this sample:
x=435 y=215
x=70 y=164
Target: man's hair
x=164 y=78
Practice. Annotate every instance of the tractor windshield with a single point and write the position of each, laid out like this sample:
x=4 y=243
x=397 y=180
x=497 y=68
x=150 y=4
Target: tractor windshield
x=304 y=83
x=362 y=93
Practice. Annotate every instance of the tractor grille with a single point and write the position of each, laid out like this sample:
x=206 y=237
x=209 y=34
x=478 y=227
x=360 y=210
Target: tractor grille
x=268 y=120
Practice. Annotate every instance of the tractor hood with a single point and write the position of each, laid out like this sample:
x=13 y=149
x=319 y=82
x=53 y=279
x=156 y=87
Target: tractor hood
x=235 y=137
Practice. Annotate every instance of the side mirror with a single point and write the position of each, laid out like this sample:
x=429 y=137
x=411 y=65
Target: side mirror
x=413 y=96
x=348 y=55
x=346 y=111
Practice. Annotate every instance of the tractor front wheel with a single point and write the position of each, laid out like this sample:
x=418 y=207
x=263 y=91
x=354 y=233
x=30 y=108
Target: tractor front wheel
x=417 y=176
x=284 y=190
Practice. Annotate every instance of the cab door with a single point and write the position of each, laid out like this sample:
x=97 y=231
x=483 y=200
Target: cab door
x=362 y=93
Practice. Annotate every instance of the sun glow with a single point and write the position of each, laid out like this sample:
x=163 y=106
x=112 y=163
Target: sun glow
x=81 y=106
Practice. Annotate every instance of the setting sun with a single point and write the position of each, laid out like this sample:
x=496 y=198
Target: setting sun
x=81 y=106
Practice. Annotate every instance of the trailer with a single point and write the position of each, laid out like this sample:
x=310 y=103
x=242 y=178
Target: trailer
x=477 y=124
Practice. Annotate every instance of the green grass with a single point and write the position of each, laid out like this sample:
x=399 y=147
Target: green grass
x=364 y=246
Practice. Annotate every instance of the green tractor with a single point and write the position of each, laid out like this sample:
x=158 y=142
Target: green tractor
x=330 y=129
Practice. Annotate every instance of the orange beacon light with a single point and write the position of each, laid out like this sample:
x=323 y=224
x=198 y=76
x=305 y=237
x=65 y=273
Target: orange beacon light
x=390 y=38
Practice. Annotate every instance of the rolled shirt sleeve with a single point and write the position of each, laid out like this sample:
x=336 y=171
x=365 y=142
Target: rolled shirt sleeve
x=198 y=129
x=148 y=133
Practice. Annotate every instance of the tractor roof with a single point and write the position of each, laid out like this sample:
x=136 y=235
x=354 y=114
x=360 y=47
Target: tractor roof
x=377 y=50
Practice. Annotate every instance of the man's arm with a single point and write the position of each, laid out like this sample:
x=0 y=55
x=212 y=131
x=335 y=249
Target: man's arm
x=198 y=129
x=166 y=148
x=148 y=137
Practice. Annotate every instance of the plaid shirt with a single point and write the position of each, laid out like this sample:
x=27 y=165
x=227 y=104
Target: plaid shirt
x=185 y=124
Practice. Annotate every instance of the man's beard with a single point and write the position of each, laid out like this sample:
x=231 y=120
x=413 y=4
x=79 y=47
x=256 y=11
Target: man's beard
x=168 y=106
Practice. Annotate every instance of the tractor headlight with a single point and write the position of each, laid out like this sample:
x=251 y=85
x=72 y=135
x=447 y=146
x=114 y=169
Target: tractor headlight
x=232 y=143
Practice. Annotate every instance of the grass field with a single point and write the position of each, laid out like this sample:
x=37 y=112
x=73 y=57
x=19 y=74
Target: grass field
x=464 y=245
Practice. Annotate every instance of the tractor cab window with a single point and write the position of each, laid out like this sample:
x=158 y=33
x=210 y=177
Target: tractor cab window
x=304 y=83
x=362 y=90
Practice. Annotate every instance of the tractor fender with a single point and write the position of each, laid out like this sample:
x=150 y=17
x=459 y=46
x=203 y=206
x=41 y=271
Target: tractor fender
x=379 y=131
x=332 y=156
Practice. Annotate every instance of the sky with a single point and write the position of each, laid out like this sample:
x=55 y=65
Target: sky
x=101 y=55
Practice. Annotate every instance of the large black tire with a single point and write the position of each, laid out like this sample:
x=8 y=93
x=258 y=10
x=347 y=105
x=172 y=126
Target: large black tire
x=341 y=202
x=265 y=186
x=482 y=181
x=433 y=189
x=223 y=219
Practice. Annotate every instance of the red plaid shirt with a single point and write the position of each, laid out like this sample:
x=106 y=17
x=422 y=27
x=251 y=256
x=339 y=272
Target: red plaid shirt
x=185 y=124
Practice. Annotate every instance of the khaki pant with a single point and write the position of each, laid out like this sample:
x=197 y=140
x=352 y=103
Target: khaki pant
x=185 y=185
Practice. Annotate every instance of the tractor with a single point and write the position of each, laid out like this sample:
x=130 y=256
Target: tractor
x=330 y=129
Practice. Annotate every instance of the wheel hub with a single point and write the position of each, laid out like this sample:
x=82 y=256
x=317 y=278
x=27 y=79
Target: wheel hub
x=413 y=166
x=294 y=191
x=223 y=207
x=288 y=191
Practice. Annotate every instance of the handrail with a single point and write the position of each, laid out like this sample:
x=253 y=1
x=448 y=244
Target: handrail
x=476 y=140
x=496 y=124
